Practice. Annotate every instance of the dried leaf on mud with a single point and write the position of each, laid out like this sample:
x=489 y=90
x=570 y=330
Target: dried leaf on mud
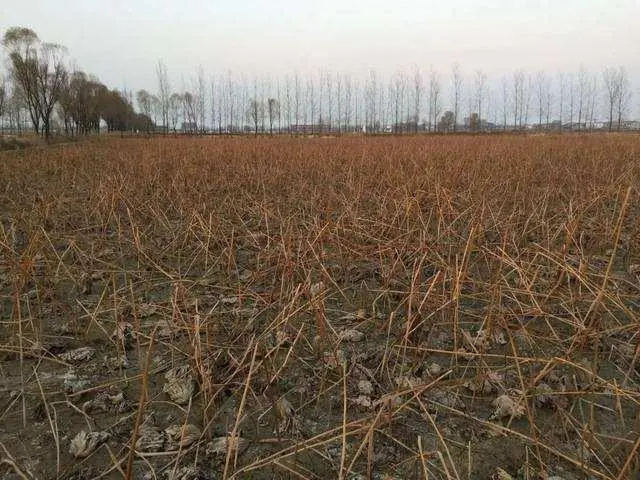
x=406 y=381
x=230 y=300
x=358 y=315
x=103 y=402
x=81 y=354
x=145 y=310
x=500 y=337
x=181 y=436
x=481 y=340
x=363 y=401
x=84 y=444
x=220 y=445
x=282 y=338
x=481 y=386
x=123 y=333
x=351 y=335
x=500 y=474
x=434 y=369
x=180 y=385
x=484 y=384
x=335 y=360
x=150 y=438
x=316 y=289
x=164 y=328
x=72 y=383
x=507 y=407
x=188 y=472
x=545 y=397
x=286 y=416
x=365 y=387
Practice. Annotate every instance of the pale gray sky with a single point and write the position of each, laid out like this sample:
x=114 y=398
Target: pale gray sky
x=121 y=40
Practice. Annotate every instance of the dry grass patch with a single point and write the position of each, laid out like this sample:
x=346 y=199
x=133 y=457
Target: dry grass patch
x=421 y=307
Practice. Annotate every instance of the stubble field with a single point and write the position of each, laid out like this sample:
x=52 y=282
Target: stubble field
x=441 y=307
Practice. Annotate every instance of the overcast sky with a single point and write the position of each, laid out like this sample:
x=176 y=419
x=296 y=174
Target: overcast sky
x=121 y=40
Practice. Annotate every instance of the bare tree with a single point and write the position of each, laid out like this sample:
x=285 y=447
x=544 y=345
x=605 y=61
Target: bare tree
x=397 y=94
x=164 y=93
x=288 y=102
x=348 y=99
x=618 y=93
x=371 y=101
x=624 y=95
x=542 y=83
x=543 y=98
x=522 y=88
x=311 y=103
x=561 y=98
x=263 y=102
x=583 y=82
x=50 y=79
x=38 y=71
x=175 y=107
x=591 y=101
x=456 y=77
x=518 y=97
x=408 y=105
x=190 y=112
x=14 y=107
x=279 y=100
x=572 y=95
x=505 y=102
x=201 y=100
x=321 y=99
x=229 y=100
x=3 y=98
x=145 y=102
x=255 y=113
x=383 y=106
x=81 y=103
x=330 y=99
x=434 y=99
x=214 y=110
x=418 y=87
x=491 y=108
x=548 y=101
x=356 y=105
x=22 y=44
x=480 y=93
x=156 y=109
x=610 y=76
x=221 y=104
x=297 y=98
x=338 y=102
x=527 y=94
x=273 y=110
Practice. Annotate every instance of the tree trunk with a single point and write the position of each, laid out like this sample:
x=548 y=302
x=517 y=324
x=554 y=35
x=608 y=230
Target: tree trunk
x=46 y=130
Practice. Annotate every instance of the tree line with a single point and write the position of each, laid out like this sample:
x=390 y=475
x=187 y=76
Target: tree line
x=403 y=103
x=41 y=89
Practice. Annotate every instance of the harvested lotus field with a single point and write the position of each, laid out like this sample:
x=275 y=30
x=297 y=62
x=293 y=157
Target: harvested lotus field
x=428 y=307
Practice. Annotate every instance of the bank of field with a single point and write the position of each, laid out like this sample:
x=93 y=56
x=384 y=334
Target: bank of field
x=435 y=307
